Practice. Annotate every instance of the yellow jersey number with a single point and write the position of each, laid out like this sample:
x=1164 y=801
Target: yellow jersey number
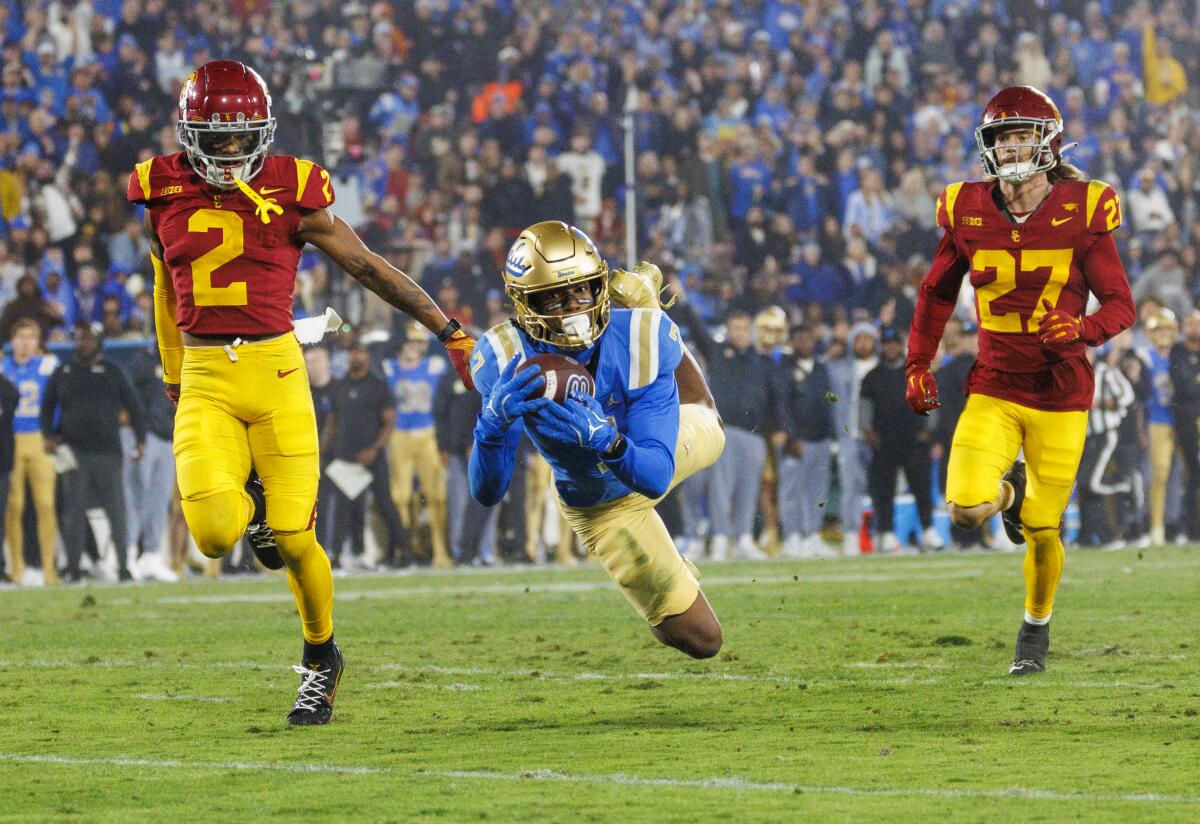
x=1005 y=265
x=231 y=247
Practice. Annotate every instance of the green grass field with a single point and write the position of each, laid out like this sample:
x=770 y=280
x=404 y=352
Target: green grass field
x=847 y=690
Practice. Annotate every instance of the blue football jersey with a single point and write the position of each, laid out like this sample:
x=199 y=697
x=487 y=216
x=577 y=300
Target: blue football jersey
x=30 y=379
x=1158 y=404
x=634 y=366
x=413 y=390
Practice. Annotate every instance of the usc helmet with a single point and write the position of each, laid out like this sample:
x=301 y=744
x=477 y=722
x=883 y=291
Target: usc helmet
x=1020 y=107
x=224 y=98
x=550 y=255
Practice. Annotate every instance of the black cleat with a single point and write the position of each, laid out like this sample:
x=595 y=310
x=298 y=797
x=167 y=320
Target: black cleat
x=260 y=536
x=1033 y=642
x=318 y=688
x=1011 y=517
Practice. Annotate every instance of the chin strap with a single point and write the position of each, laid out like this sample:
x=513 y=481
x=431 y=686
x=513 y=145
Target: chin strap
x=262 y=206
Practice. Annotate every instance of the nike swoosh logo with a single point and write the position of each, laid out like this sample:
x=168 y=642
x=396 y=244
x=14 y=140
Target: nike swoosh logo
x=283 y=373
x=268 y=191
x=1060 y=221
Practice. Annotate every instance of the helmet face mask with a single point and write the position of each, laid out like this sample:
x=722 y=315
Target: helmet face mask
x=225 y=123
x=1020 y=108
x=547 y=257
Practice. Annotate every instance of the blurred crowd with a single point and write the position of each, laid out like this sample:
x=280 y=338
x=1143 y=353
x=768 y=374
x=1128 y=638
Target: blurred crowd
x=788 y=156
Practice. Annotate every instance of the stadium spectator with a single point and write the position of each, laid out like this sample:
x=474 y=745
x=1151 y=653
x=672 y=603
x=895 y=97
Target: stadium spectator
x=30 y=369
x=1149 y=208
x=29 y=305
x=1101 y=475
x=805 y=447
x=897 y=441
x=1185 y=412
x=412 y=451
x=81 y=420
x=357 y=430
x=741 y=382
x=149 y=482
x=1163 y=331
x=455 y=410
x=8 y=410
x=850 y=356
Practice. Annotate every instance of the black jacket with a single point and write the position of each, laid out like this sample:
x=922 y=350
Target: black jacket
x=146 y=374
x=743 y=383
x=805 y=406
x=91 y=400
x=454 y=411
x=1185 y=380
x=8 y=410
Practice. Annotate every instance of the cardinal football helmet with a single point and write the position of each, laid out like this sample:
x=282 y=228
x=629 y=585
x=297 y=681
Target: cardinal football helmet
x=550 y=255
x=1020 y=107
x=224 y=99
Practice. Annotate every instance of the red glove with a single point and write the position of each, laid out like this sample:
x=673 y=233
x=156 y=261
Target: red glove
x=1057 y=327
x=172 y=390
x=459 y=347
x=921 y=391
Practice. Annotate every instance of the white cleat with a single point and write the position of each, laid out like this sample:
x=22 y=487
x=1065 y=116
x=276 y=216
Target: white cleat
x=889 y=544
x=154 y=568
x=792 y=548
x=107 y=568
x=718 y=549
x=32 y=578
x=931 y=540
x=850 y=545
x=816 y=547
x=747 y=550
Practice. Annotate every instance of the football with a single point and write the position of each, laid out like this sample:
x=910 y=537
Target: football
x=563 y=375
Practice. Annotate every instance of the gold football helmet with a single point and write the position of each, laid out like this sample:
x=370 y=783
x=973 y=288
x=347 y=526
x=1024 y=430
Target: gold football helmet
x=550 y=255
x=770 y=328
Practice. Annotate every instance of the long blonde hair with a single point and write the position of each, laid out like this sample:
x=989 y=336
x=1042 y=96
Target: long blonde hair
x=1064 y=171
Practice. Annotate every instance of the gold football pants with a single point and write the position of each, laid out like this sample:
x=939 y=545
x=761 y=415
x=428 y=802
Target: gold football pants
x=30 y=462
x=414 y=453
x=251 y=407
x=987 y=439
x=630 y=540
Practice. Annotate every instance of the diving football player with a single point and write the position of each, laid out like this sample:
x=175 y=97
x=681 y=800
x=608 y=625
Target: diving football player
x=1035 y=239
x=226 y=224
x=651 y=423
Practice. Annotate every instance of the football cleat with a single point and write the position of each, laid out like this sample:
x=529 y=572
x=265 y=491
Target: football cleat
x=1033 y=642
x=639 y=289
x=1011 y=517
x=261 y=536
x=318 y=687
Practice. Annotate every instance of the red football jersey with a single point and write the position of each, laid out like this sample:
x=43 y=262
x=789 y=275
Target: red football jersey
x=232 y=260
x=1059 y=254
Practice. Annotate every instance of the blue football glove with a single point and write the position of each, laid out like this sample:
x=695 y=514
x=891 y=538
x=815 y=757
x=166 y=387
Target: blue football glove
x=579 y=422
x=514 y=395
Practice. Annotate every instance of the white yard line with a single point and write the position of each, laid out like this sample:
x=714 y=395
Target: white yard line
x=736 y=784
x=555 y=587
x=189 y=765
x=743 y=784
x=585 y=675
x=457 y=686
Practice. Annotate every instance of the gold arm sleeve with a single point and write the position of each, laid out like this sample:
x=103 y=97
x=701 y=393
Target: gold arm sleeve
x=170 y=342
